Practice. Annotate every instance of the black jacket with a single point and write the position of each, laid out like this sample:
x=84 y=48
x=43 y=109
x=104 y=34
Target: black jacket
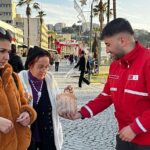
x=16 y=62
x=81 y=63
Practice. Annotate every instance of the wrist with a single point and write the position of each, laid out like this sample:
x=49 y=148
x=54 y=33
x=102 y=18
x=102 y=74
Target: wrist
x=81 y=116
x=28 y=113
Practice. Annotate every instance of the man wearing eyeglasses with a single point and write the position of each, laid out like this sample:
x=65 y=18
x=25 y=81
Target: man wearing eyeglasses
x=15 y=113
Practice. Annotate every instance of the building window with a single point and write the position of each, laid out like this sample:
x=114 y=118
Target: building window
x=8 y=21
x=3 y=5
x=6 y=13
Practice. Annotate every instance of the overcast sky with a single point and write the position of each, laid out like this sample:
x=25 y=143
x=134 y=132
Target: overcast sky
x=136 y=11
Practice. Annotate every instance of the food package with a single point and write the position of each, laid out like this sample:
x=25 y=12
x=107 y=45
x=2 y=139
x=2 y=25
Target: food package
x=66 y=103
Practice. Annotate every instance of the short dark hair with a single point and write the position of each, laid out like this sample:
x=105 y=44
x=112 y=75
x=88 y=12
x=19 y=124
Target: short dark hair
x=34 y=54
x=117 y=26
x=5 y=35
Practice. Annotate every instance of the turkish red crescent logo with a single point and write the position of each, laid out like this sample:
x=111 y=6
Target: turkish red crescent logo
x=133 y=77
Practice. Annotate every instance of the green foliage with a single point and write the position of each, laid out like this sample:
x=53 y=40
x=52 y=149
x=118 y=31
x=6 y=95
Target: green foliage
x=28 y=8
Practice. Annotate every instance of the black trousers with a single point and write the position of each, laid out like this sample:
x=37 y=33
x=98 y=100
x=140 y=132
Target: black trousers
x=46 y=143
x=40 y=146
x=81 y=78
x=56 y=66
x=122 y=145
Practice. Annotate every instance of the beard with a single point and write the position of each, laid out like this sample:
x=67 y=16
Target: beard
x=118 y=55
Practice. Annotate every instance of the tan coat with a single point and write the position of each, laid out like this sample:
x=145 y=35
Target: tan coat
x=12 y=103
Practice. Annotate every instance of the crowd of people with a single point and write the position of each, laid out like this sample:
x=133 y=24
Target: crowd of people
x=28 y=94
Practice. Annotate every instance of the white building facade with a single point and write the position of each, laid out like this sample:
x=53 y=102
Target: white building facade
x=7 y=11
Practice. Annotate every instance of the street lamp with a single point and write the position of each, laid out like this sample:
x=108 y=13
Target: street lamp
x=80 y=28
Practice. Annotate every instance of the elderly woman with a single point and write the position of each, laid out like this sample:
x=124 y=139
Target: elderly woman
x=38 y=81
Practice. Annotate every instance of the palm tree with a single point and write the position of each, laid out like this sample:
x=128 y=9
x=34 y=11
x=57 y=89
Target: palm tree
x=114 y=9
x=41 y=15
x=108 y=10
x=101 y=10
x=95 y=47
x=28 y=13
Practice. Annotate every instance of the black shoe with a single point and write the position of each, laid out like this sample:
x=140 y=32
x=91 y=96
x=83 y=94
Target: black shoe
x=88 y=83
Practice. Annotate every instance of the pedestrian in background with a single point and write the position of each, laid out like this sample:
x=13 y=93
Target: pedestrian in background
x=57 y=61
x=71 y=59
x=82 y=68
x=15 y=60
x=15 y=113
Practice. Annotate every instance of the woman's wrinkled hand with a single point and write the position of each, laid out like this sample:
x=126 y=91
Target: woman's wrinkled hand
x=24 y=119
x=69 y=89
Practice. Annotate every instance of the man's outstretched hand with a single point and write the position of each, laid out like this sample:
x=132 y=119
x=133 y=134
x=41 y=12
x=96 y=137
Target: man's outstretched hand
x=71 y=116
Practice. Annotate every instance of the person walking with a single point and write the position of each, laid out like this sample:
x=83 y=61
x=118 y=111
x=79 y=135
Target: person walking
x=82 y=67
x=71 y=59
x=15 y=113
x=57 y=61
x=127 y=87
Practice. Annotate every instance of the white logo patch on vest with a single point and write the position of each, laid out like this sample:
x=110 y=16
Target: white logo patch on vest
x=133 y=77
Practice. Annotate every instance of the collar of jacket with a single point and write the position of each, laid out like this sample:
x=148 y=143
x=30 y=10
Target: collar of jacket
x=129 y=58
x=6 y=73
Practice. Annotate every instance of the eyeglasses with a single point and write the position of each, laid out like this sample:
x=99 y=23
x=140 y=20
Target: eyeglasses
x=42 y=67
x=5 y=32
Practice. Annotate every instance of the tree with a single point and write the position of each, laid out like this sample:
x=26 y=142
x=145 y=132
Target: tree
x=108 y=10
x=67 y=30
x=114 y=9
x=95 y=46
x=76 y=28
x=28 y=13
x=101 y=11
x=41 y=15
